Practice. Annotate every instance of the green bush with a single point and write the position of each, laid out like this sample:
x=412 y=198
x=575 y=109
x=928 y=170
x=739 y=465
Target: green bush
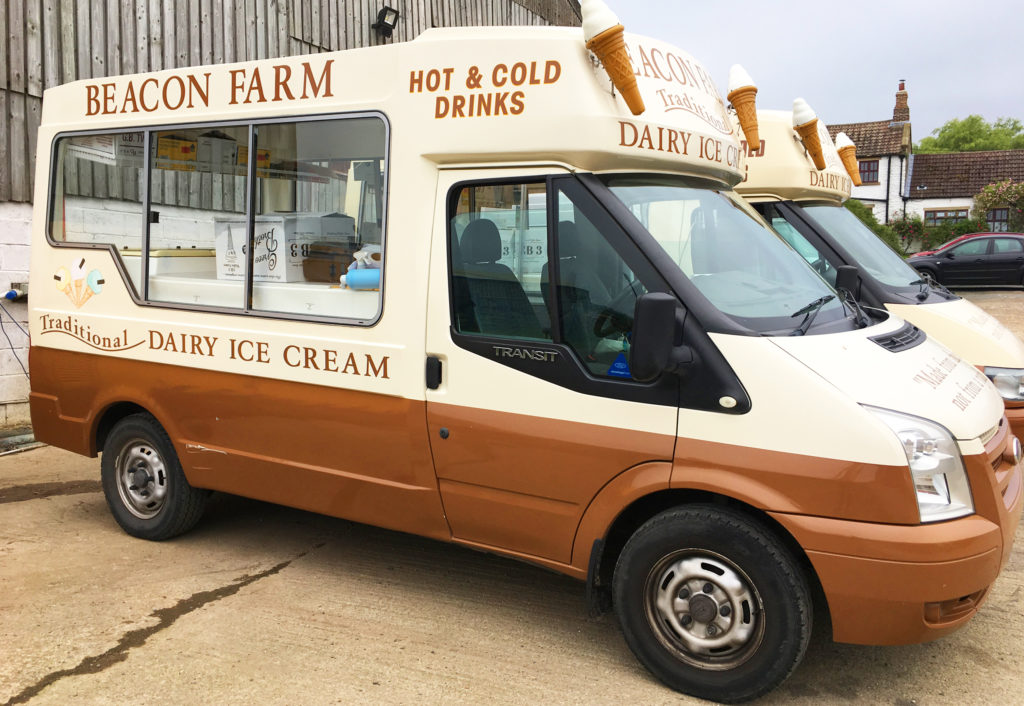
x=909 y=230
x=886 y=234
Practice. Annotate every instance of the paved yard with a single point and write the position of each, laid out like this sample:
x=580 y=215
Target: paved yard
x=262 y=604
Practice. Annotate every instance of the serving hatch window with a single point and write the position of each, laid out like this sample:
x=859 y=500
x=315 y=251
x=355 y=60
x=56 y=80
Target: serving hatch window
x=295 y=229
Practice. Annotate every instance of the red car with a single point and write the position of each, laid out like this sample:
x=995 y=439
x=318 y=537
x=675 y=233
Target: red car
x=954 y=241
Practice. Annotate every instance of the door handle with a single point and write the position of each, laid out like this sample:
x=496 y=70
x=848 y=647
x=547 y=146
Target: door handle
x=433 y=372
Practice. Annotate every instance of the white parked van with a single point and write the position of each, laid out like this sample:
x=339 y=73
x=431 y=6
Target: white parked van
x=804 y=205
x=562 y=338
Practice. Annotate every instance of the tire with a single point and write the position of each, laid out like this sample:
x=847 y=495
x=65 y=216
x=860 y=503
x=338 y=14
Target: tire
x=733 y=643
x=143 y=481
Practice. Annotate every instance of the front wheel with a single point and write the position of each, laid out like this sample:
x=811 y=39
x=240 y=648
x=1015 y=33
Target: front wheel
x=712 y=603
x=144 y=483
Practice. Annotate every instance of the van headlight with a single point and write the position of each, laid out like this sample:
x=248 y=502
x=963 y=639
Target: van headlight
x=1009 y=382
x=936 y=467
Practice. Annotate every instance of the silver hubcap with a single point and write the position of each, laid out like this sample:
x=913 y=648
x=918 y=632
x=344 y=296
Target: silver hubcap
x=704 y=609
x=141 y=479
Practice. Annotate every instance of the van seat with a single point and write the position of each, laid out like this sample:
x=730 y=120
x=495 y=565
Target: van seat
x=498 y=301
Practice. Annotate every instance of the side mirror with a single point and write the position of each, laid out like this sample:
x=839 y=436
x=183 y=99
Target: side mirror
x=950 y=255
x=653 y=350
x=848 y=279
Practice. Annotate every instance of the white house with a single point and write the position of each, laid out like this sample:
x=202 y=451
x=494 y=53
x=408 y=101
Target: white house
x=941 y=187
x=883 y=151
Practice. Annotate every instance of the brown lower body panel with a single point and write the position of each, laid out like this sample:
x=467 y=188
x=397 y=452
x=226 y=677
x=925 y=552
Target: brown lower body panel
x=356 y=455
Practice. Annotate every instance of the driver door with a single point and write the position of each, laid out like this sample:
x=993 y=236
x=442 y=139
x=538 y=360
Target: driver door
x=531 y=408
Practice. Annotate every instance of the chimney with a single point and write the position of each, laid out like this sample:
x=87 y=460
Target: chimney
x=901 y=113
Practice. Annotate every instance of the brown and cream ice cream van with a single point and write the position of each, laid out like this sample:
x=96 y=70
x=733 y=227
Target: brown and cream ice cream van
x=461 y=287
x=805 y=205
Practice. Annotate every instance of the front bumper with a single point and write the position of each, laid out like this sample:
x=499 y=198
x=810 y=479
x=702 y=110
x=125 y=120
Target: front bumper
x=900 y=584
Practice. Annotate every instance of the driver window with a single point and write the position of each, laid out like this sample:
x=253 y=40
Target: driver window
x=596 y=294
x=505 y=283
x=803 y=246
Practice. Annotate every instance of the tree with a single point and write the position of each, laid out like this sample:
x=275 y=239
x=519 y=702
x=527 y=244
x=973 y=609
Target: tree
x=1006 y=194
x=972 y=134
x=884 y=232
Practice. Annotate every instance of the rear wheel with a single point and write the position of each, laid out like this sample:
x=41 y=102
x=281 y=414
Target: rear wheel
x=712 y=603
x=143 y=481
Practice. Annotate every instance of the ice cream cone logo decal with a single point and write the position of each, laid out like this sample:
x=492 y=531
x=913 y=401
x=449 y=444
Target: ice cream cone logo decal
x=78 y=286
x=848 y=153
x=604 y=36
x=742 y=92
x=805 y=122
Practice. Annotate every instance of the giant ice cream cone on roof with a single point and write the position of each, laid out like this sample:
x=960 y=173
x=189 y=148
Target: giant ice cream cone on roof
x=848 y=153
x=742 y=92
x=604 y=37
x=805 y=122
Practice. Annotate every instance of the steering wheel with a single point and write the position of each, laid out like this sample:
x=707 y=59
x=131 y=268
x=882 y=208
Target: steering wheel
x=611 y=320
x=821 y=265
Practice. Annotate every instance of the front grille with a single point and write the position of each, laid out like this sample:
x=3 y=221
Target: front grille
x=907 y=336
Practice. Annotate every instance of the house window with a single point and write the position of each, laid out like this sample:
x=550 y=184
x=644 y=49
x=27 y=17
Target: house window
x=998 y=220
x=869 y=171
x=950 y=215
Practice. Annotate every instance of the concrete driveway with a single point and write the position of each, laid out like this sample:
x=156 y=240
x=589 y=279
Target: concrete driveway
x=263 y=604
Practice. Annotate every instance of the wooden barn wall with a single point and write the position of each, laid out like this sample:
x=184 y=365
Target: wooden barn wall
x=55 y=41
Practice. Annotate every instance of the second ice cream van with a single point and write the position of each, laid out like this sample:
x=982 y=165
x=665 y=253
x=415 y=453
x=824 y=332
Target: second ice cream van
x=561 y=337
x=804 y=204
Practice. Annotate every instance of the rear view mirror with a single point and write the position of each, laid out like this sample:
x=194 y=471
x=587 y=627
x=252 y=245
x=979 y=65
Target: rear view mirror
x=654 y=350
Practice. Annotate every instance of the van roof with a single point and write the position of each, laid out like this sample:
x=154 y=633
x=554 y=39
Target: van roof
x=453 y=96
x=782 y=169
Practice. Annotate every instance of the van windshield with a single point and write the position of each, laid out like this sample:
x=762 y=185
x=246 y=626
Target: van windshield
x=871 y=255
x=742 y=267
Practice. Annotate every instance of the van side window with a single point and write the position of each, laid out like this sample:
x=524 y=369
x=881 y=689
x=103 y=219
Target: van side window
x=197 y=181
x=498 y=247
x=319 y=210
x=98 y=195
x=271 y=233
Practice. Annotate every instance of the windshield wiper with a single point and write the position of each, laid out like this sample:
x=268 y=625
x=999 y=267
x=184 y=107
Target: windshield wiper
x=924 y=290
x=860 y=316
x=809 y=312
x=929 y=284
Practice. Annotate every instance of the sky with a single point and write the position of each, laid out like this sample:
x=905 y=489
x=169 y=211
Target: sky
x=846 y=59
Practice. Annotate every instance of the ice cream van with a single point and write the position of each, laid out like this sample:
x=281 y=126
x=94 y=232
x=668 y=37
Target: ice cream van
x=562 y=338
x=804 y=204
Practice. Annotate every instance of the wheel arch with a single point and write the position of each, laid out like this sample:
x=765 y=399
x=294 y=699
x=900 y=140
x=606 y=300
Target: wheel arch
x=608 y=548
x=109 y=417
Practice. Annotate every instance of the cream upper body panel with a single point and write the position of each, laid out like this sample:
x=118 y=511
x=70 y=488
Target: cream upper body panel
x=782 y=170
x=793 y=409
x=461 y=96
x=808 y=392
x=926 y=380
x=968 y=331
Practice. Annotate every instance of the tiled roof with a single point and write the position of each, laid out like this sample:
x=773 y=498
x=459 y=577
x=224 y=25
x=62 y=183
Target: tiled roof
x=875 y=139
x=962 y=173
